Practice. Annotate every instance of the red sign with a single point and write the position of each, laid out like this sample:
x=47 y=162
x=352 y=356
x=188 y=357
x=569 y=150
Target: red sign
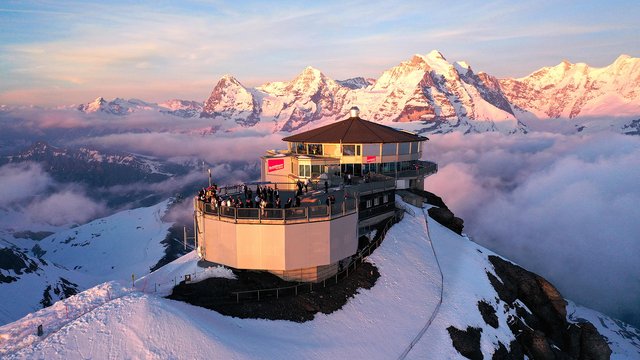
x=275 y=165
x=371 y=159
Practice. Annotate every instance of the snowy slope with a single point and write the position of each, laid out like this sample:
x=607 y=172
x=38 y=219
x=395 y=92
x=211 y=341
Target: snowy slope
x=110 y=248
x=115 y=321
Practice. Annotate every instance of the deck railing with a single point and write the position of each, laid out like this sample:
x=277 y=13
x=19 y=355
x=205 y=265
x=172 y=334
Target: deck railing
x=277 y=215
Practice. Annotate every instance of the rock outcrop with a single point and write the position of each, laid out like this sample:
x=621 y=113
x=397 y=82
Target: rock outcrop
x=541 y=327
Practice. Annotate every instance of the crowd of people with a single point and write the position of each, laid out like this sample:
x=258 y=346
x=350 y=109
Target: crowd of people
x=265 y=197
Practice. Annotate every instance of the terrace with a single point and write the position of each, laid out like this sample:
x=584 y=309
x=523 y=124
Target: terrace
x=313 y=203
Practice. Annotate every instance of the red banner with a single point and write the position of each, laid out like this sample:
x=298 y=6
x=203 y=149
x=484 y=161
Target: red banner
x=275 y=165
x=371 y=159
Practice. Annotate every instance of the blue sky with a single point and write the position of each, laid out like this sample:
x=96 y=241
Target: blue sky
x=54 y=52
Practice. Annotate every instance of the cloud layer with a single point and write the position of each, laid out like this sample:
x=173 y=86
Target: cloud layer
x=30 y=197
x=565 y=207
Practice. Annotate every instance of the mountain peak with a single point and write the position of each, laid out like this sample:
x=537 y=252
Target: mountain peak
x=310 y=72
x=436 y=55
x=228 y=78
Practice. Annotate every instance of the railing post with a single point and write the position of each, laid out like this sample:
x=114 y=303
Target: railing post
x=235 y=215
x=306 y=210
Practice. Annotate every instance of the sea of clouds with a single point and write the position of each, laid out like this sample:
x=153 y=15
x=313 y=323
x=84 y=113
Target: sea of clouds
x=563 y=206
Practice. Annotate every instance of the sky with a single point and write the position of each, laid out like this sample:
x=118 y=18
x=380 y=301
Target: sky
x=68 y=52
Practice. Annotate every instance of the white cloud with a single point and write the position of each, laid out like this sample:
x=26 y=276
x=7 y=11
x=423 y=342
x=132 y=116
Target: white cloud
x=22 y=182
x=565 y=207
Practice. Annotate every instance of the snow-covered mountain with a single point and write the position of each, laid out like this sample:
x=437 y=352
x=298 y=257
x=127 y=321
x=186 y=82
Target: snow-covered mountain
x=94 y=167
x=181 y=108
x=577 y=90
x=356 y=82
x=122 y=107
x=35 y=273
x=438 y=96
x=439 y=296
x=425 y=89
x=426 y=93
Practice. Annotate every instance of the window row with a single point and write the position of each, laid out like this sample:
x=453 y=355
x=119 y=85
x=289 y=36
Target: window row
x=356 y=149
x=376 y=201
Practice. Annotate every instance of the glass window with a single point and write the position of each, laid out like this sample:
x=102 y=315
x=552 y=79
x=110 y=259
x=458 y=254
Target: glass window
x=358 y=150
x=371 y=150
x=315 y=170
x=376 y=201
x=300 y=148
x=370 y=168
x=348 y=150
x=368 y=204
x=385 y=198
x=314 y=149
x=305 y=171
x=389 y=149
x=404 y=148
x=415 y=147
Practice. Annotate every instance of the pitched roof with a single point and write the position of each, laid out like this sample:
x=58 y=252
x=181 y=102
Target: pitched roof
x=354 y=130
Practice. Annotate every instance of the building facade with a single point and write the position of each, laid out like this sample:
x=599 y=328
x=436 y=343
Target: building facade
x=355 y=147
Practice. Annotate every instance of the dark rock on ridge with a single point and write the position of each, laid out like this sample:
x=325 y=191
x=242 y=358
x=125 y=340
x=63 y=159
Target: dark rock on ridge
x=542 y=329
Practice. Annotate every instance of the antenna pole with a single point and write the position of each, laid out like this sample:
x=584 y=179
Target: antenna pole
x=184 y=234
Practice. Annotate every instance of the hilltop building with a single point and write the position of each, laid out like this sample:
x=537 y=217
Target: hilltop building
x=361 y=163
x=353 y=147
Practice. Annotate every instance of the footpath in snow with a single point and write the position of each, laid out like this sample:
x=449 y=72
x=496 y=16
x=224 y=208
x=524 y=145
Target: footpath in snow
x=378 y=323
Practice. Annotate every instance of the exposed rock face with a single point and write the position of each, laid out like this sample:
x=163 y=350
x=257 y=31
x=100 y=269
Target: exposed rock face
x=62 y=289
x=440 y=212
x=15 y=262
x=542 y=329
x=488 y=314
x=445 y=217
x=230 y=99
x=467 y=342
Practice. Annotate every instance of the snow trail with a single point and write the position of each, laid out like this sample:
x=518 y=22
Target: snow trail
x=435 y=311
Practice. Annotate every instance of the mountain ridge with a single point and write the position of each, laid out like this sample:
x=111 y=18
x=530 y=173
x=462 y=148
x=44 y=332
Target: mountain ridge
x=425 y=93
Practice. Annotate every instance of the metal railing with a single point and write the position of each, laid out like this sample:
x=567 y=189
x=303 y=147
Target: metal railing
x=421 y=168
x=271 y=215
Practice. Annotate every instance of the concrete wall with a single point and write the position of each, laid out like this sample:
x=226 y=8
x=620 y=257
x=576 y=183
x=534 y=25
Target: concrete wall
x=278 y=246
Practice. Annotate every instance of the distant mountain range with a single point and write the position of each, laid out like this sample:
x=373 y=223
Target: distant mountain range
x=426 y=94
x=96 y=168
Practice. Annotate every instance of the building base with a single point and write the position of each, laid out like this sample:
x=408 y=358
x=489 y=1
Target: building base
x=312 y=274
